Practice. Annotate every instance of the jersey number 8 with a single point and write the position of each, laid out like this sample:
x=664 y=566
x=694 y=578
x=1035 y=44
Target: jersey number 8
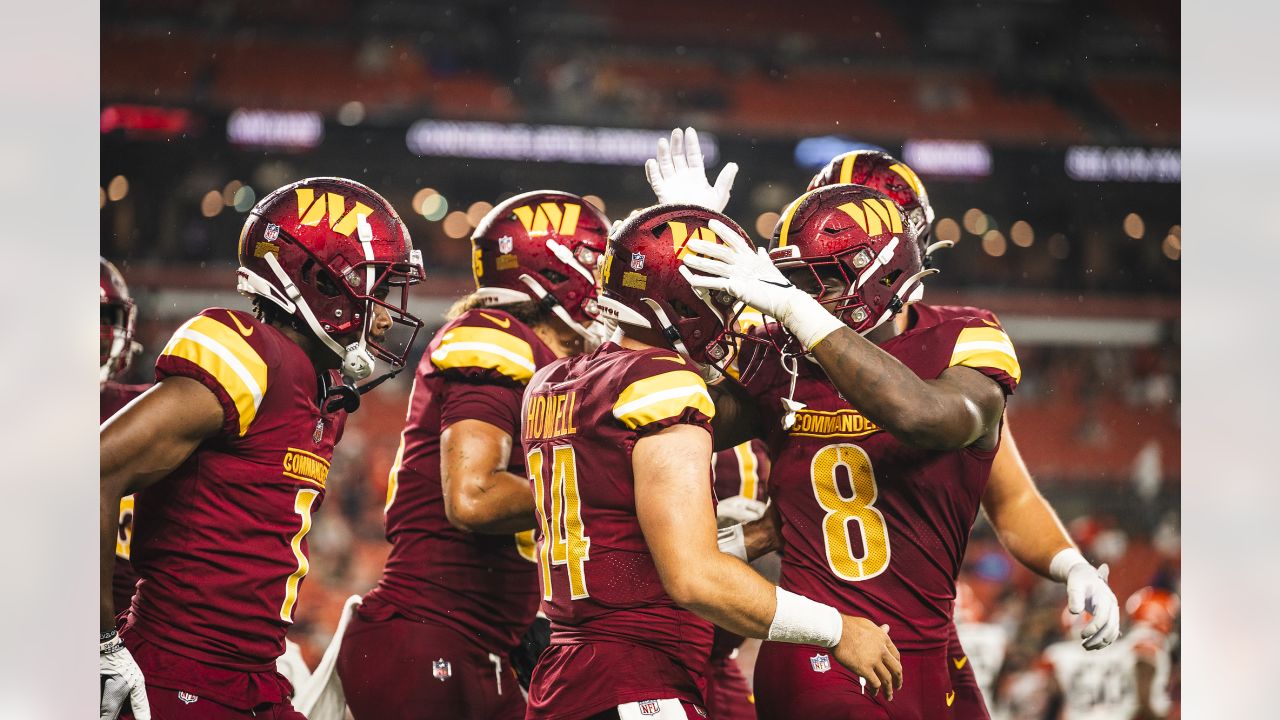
x=842 y=512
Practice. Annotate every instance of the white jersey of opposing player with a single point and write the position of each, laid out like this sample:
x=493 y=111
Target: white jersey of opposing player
x=1102 y=684
x=985 y=645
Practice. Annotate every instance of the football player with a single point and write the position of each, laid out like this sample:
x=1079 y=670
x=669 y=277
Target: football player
x=881 y=444
x=618 y=449
x=116 y=348
x=432 y=639
x=229 y=453
x=1023 y=520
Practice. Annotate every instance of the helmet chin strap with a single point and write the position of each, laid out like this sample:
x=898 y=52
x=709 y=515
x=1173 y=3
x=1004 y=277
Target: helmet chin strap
x=357 y=363
x=551 y=302
x=710 y=373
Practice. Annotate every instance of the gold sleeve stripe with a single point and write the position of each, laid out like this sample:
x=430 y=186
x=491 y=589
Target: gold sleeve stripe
x=747 y=470
x=485 y=348
x=661 y=397
x=986 y=347
x=221 y=352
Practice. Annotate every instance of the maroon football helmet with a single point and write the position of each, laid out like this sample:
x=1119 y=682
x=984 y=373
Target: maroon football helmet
x=643 y=282
x=543 y=245
x=851 y=248
x=326 y=250
x=116 y=345
x=881 y=171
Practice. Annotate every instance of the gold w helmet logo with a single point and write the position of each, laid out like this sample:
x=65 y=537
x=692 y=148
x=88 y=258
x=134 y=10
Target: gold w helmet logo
x=312 y=209
x=549 y=217
x=875 y=216
x=680 y=237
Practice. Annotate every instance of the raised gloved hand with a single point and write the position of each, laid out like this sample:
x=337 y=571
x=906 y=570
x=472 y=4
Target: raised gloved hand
x=750 y=276
x=1087 y=591
x=120 y=679
x=677 y=175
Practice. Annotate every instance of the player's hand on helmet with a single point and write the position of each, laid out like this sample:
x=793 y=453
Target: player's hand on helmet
x=121 y=679
x=748 y=275
x=865 y=648
x=1087 y=591
x=677 y=174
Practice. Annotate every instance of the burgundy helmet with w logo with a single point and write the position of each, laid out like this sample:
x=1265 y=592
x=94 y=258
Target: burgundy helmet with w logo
x=326 y=250
x=116 y=344
x=852 y=248
x=643 y=282
x=882 y=171
x=543 y=245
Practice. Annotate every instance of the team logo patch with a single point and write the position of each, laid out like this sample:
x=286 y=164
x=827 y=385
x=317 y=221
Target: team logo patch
x=442 y=669
x=649 y=707
x=318 y=435
x=272 y=232
x=505 y=244
x=637 y=261
x=186 y=697
x=820 y=663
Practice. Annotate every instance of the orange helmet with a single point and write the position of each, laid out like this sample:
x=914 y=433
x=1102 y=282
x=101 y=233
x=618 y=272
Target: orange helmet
x=1153 y=606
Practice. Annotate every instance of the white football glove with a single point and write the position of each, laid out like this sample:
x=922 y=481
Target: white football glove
x=752 y=278
x=677 y=175
x=599 y=332
x=121 y=678
x=739 y=509
x=1087 y=591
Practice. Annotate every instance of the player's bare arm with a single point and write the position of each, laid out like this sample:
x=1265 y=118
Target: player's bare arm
x=1032 y=533
x=672 y=468
x=480 y=495
x=141 y=445
x=962 y=407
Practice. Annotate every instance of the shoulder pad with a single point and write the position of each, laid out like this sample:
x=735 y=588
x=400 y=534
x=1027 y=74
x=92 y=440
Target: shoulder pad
x=214 y=347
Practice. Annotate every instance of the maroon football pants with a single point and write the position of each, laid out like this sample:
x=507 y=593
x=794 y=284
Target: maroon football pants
x=728 y=695
x=168 y=704
x=804 y=681
x=969 y=703
x=411 y=670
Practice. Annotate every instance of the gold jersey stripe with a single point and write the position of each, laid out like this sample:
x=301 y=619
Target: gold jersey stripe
x=663 y=396
x=986 y=347
x=485 y=348
x=747 y=466
x=224 y=354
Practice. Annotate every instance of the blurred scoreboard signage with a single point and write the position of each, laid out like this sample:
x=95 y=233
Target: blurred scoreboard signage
x=814 y=152
x=542 y=143
x=275 y=129
x=948 y=158
x=146 y=122
x=1091 y=163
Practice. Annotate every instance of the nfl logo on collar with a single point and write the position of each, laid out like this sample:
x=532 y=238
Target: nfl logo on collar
x=442 y=669
x=820 y=663
x=187 y=698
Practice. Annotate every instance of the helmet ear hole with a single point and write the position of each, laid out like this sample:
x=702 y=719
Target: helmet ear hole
x=326 y=284
x=682 y=309
x=551 y=276
x=890 y=278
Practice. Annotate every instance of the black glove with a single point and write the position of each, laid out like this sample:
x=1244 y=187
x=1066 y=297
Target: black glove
x=525 y=657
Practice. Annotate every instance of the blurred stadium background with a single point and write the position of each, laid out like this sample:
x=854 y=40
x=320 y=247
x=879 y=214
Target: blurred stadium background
x=1046 y=131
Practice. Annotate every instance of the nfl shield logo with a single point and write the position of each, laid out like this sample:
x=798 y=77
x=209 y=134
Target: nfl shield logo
x=820 y=663
x=442 y=669
x=637 y=261
x=505 y=244
x=318 y=435
x=649 y=707
x=186 y=697
x=272 y=232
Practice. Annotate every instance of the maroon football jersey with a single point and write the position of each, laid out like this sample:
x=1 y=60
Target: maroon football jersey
x=922 y=315
x=221 y=544
x=481 y=586
x=874 y=527
x=113 y=397
x=581 y=419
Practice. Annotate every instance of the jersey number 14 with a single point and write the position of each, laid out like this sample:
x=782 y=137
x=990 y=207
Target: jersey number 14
x=564 y=541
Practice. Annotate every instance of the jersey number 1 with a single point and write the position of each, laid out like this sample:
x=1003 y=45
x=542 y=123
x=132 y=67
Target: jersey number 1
x=564 y=541
x=302 y=504
x=842 y=512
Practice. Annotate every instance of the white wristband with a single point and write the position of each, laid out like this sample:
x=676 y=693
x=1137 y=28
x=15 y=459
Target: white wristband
x=732 y=542
x=798 y=619
x=808 y=320
x=1062 y=563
